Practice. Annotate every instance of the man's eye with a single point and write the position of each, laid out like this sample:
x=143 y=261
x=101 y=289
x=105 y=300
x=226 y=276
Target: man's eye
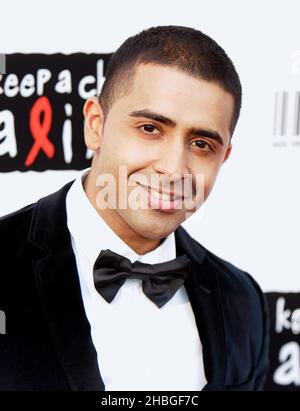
x=203 y=145
x=149 y=129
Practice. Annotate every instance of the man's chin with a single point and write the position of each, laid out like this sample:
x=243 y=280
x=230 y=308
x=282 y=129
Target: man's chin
x=152 y=224
x=153 y=232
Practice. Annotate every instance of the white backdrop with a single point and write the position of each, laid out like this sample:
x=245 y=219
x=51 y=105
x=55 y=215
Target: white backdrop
x=252 y=216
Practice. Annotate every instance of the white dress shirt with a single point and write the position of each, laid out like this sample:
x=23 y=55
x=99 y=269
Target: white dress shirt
x=139 y=346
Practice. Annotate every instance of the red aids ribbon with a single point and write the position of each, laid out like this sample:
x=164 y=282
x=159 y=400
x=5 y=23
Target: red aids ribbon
x=40 y=129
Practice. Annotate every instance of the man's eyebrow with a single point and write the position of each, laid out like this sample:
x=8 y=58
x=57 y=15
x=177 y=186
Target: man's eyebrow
x=214 y=135
x=153 y=116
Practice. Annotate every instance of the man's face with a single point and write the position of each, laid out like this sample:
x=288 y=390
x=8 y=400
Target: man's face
x=169 y=125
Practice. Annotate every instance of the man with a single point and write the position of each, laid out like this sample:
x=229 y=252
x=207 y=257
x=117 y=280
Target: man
x=100 y=294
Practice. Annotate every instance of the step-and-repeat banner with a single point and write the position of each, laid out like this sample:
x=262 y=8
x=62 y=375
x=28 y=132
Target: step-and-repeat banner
x=41 y=129
x=41 y=137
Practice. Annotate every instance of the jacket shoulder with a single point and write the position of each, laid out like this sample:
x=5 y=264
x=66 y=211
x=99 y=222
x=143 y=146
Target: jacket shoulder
x=21 y=218
x=231 y=278
x=239 y=292
x=13 y=223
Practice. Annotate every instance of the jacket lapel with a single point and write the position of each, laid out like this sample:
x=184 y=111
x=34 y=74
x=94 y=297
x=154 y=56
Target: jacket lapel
x=202 y=289
x=58 y=284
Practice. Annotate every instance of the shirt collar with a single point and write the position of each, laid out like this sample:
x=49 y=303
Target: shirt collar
x=92 y=234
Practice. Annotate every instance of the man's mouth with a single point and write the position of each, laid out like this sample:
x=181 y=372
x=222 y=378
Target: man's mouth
x=158 y=199
x=164 y=195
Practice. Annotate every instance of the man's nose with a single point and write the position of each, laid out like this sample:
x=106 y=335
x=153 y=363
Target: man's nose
x=173 y=159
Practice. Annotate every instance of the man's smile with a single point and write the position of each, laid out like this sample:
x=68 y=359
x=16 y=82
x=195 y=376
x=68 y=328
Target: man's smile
x=160 y=200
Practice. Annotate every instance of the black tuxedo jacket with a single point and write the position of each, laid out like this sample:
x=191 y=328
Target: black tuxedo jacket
x=48 y=345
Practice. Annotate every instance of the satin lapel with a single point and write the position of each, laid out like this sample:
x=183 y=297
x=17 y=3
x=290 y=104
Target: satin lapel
x=203 y=292
x=59 y=288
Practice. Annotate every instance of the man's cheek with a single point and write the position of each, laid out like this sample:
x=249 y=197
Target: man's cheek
x=208 y=184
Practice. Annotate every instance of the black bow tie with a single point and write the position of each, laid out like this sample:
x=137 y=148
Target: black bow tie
x=160 y=281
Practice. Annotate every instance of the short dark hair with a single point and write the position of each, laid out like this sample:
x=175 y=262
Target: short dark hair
x=185 y=48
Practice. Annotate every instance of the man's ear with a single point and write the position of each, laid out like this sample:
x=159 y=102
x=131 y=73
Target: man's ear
x=228 y=151
x=93 y=123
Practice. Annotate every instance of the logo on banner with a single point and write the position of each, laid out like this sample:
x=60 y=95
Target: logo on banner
x=41 y=103
x=286 y=125
x=284 y=372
